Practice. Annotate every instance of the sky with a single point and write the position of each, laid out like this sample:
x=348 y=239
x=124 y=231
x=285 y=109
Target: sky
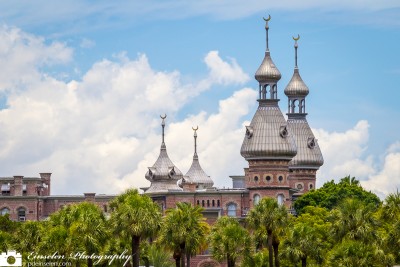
x=83 y=85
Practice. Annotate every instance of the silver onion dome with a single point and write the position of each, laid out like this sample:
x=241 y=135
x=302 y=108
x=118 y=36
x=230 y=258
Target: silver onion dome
x=163 y=175
x=267 y=71
x=296 y=86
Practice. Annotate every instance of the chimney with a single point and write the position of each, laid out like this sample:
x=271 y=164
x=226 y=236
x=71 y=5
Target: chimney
x=18 y=185
x=46 y=180
x=89 y=197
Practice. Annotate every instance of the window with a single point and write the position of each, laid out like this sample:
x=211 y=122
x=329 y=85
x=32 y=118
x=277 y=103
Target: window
x=198 y=202
x=5 y=189
x=256 y=178
x=300 y=186
x=232 y=210
x=208 y=203
x=310 y=186
x=268 y=178
x=218 y=203
x=256 y=199
x=281 y=198
x=202 y=203
x=280 y=178
x=21 y=214
x=5 y=211
x=105 y=208
x=213 y=203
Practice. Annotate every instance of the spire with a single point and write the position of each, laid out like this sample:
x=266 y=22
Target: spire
x=163 y=127
x=296 y=90
x=267 y=74
x=163 y=175
x=195 y=141
x=295 y=49
x=266 y=30
x=196 y=173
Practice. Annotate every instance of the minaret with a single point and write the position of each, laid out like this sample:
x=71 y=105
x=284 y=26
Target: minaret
x=304 y=165
x=164 y=175
x=196 y=175
x=268 y=145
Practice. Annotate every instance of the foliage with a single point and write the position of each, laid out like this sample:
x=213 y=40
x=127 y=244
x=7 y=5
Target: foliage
x=229 y=241
x=331 y=194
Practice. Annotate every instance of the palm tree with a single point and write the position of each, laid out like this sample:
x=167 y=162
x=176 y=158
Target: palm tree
x=184 y=231
x=88 y=229
x=355 y=221
x=268 y=217
x=135 y=216
x=302 y=242
x=229 y=240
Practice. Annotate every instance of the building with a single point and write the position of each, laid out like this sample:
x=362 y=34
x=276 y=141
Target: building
x=283 y=157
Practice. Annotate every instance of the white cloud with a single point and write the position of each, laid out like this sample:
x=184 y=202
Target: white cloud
x=100 y=134
x=87 y=43
x=345 y=154
x=222 y=72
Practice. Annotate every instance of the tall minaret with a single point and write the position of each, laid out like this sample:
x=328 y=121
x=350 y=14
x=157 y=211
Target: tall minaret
x=164 y=175
x=268 y=145
x=196 y=175
x=304 y=165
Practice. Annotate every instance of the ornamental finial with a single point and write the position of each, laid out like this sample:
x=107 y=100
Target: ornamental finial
x=267 y=28
x=163 y=125
x=195 y=139
x=295 y=49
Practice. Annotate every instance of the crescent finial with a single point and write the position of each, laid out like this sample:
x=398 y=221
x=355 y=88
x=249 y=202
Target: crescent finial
x=195 y=129
x=165 y=115
x=268 y=19
x=298 y=37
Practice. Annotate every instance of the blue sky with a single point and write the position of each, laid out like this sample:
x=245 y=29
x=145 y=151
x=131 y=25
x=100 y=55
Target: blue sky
x=348 y=57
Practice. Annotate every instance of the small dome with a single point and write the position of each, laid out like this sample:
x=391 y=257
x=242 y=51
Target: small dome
x=267 y=71
x=196 y=174
x=296 y=86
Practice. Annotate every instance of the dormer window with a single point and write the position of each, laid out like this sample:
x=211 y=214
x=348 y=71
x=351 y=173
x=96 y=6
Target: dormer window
x=283 y=131
x=5 y=189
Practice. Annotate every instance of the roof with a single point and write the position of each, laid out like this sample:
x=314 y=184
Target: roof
x=267 y=136
x=308 y=152
x=296 y=86
x=267 y=71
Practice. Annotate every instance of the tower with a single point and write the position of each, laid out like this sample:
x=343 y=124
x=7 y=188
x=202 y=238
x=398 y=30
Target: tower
x=164 y=175
x=304 y=165
x=268 y=145
x=196 y=178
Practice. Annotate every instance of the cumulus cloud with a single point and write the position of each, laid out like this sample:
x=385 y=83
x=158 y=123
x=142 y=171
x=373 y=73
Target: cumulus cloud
x=345 y=154
x=101 y=133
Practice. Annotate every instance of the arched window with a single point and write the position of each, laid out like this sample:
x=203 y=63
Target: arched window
x=213 y=203
x=198 y=202
x=21 y=214
x=232 y=210
x=256 y=199
x=281 y=198
x=202 y=203
x=208 y=203
x=5 y=211
x=218 y=203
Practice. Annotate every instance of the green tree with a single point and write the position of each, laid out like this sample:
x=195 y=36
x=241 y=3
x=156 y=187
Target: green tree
x=390 y=218
x=229 y=241
x=303 y=242
x=136 y=217
x=331 y=194
x=184 y=231
x=269 y=217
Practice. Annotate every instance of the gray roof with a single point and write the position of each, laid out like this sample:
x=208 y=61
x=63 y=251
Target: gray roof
x=296 y=86
x=267 y=136
x=308 y=152
x=163 y=175
x=196 y=174
x=267 y=71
